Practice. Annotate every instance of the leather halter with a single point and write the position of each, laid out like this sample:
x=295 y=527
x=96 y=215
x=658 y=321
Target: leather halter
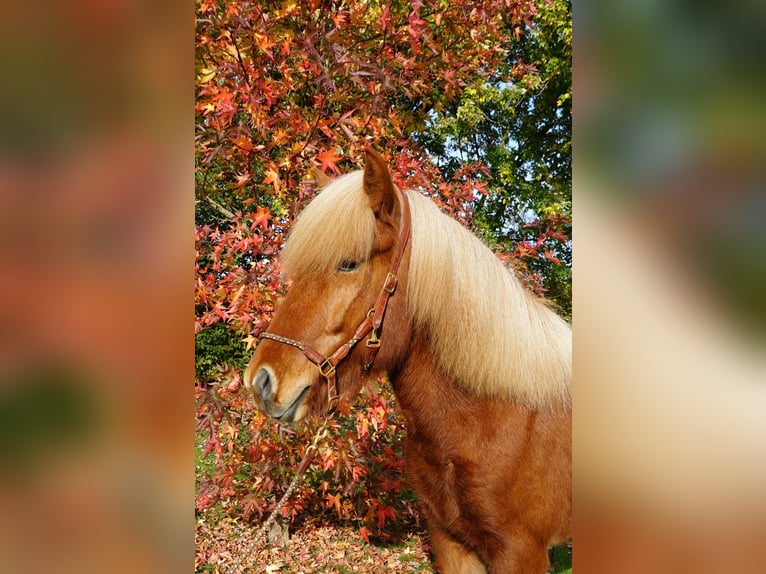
x=370 y=325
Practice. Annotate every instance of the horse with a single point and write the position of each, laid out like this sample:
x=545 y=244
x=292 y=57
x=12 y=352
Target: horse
x=382 y=281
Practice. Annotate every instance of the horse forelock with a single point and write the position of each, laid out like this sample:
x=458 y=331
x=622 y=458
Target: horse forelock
x=336 y=226
x=486 y=330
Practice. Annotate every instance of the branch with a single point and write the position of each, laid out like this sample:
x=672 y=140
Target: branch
x=246 y=74
x=219 y=208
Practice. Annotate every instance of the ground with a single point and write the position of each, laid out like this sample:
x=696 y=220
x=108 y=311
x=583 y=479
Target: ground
x=225 y=546
x=313 y=548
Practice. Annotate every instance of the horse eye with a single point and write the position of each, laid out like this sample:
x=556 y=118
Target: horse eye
x=347 y=266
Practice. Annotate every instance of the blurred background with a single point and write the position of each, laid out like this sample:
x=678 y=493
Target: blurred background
x=669 y=278
x=96 y=256
x=96 y=253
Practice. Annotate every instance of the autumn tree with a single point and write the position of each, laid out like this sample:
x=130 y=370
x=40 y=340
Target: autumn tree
x=285 y=85
x=518 y=123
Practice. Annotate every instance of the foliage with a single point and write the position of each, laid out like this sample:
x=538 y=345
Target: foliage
x=519 y=125
x=218 y=345
x=247 y=462
x=286 y=84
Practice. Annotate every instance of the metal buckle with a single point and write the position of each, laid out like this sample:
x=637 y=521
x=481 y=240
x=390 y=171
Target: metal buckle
x=389 y=286
x=373 y=342
x=327 y=369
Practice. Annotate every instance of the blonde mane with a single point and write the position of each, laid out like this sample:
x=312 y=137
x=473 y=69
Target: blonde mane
x=485 y=329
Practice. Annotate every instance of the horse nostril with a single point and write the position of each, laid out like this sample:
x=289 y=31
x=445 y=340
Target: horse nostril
x=262 y=384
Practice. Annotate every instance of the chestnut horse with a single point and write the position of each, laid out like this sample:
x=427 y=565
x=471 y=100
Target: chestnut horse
x=382 y=280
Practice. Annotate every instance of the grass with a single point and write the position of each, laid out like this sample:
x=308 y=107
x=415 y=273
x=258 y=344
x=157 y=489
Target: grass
x=560 y=558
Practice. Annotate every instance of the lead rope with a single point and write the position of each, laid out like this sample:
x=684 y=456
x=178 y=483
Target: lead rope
x=304 y=464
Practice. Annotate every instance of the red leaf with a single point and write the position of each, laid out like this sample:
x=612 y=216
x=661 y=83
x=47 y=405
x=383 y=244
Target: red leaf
x=385 y=512
x=385 y=18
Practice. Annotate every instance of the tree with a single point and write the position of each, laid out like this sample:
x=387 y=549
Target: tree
x=518 y=124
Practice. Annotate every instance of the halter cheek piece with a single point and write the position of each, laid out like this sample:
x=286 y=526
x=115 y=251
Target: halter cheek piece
x=370 y=325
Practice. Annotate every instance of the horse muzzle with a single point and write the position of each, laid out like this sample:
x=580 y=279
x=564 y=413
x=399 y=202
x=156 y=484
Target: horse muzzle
x=276 y=402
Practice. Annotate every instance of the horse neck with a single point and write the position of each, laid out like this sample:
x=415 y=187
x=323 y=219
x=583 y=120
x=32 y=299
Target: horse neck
x=425 y=393
x=429 y=397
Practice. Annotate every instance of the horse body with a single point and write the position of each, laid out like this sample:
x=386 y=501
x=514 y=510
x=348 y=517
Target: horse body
x=492 y=476
x=484 y=391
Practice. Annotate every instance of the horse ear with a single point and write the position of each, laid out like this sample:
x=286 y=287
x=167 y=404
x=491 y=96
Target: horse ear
x=322 y=179
x=378 y=185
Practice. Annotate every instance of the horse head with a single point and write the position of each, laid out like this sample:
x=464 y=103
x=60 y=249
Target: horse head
x=342 y=258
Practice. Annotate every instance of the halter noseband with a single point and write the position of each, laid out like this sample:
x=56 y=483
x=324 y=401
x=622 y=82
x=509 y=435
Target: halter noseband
x=370 y=325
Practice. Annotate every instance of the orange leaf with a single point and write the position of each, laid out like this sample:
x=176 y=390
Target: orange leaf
x=551 y=257
x=272 y=177
x=237 y=295
x=261 y=217
x=334 y=501
x=242 y=179
x=243 y=143
x=329 y=159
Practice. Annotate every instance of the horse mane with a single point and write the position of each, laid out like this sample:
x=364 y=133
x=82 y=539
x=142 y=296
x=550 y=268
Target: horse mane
x=485 y=329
